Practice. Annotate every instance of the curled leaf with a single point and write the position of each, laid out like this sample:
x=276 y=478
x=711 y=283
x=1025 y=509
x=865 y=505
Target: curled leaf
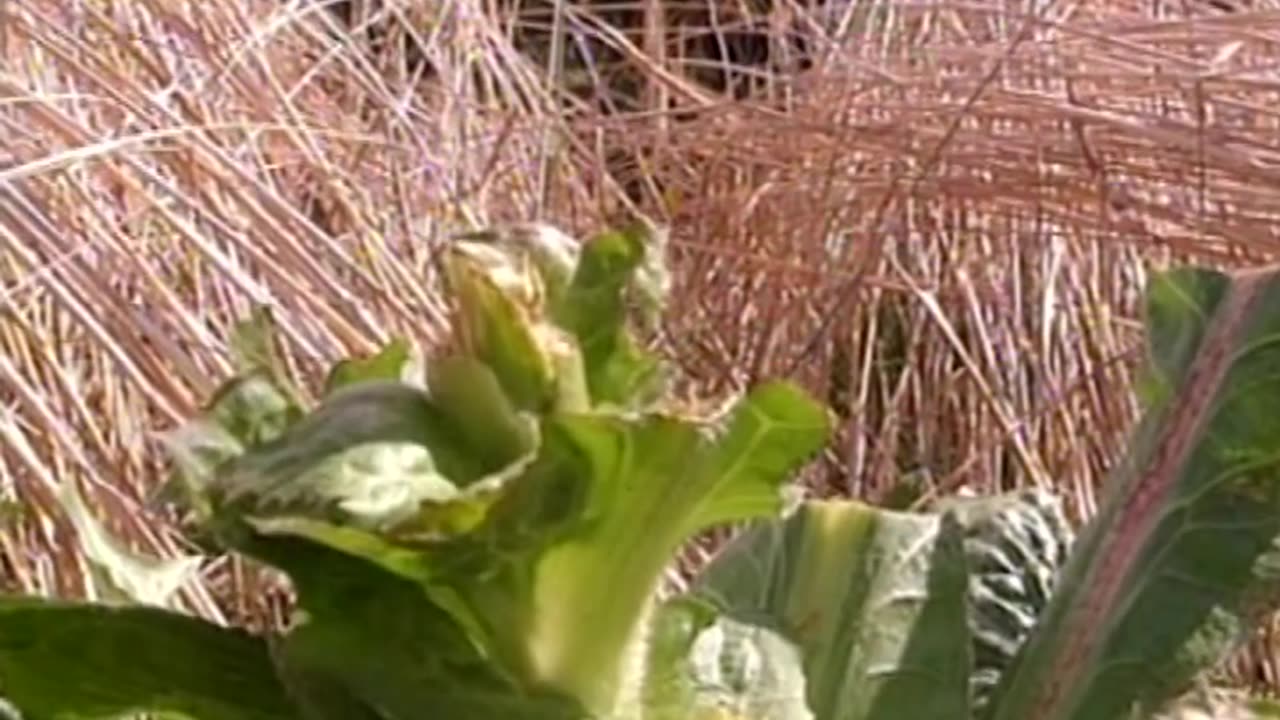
x=121 y=574
x=499 y=320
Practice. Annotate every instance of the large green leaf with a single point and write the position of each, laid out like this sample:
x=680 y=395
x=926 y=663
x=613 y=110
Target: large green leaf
x=556 y=580
x=873 y=599
x=562 y=571
x=1182 y=557
x=374 y=644
x=502 y=507
x=69 y=661
x=385 y=457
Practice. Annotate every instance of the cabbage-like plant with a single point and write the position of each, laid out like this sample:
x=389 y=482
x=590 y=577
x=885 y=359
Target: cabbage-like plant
x=484 y=533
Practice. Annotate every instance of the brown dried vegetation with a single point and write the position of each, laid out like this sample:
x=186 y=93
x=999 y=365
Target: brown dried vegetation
x=936 y=213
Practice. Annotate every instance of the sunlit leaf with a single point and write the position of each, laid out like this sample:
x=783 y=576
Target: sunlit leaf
x=873 y=600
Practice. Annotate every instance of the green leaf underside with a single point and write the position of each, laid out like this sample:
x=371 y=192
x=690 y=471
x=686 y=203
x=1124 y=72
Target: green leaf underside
x=873 y=599
x=1182 y=558
x=68 y=661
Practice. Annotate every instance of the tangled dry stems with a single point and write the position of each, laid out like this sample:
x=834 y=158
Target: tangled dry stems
x=942 y=224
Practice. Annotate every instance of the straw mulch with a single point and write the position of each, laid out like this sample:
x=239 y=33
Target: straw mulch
x=940 y=220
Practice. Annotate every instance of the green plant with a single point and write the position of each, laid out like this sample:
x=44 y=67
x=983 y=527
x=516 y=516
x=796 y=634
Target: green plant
x=483 y=534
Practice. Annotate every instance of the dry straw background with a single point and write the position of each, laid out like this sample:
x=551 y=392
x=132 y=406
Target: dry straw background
x=937 y=213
